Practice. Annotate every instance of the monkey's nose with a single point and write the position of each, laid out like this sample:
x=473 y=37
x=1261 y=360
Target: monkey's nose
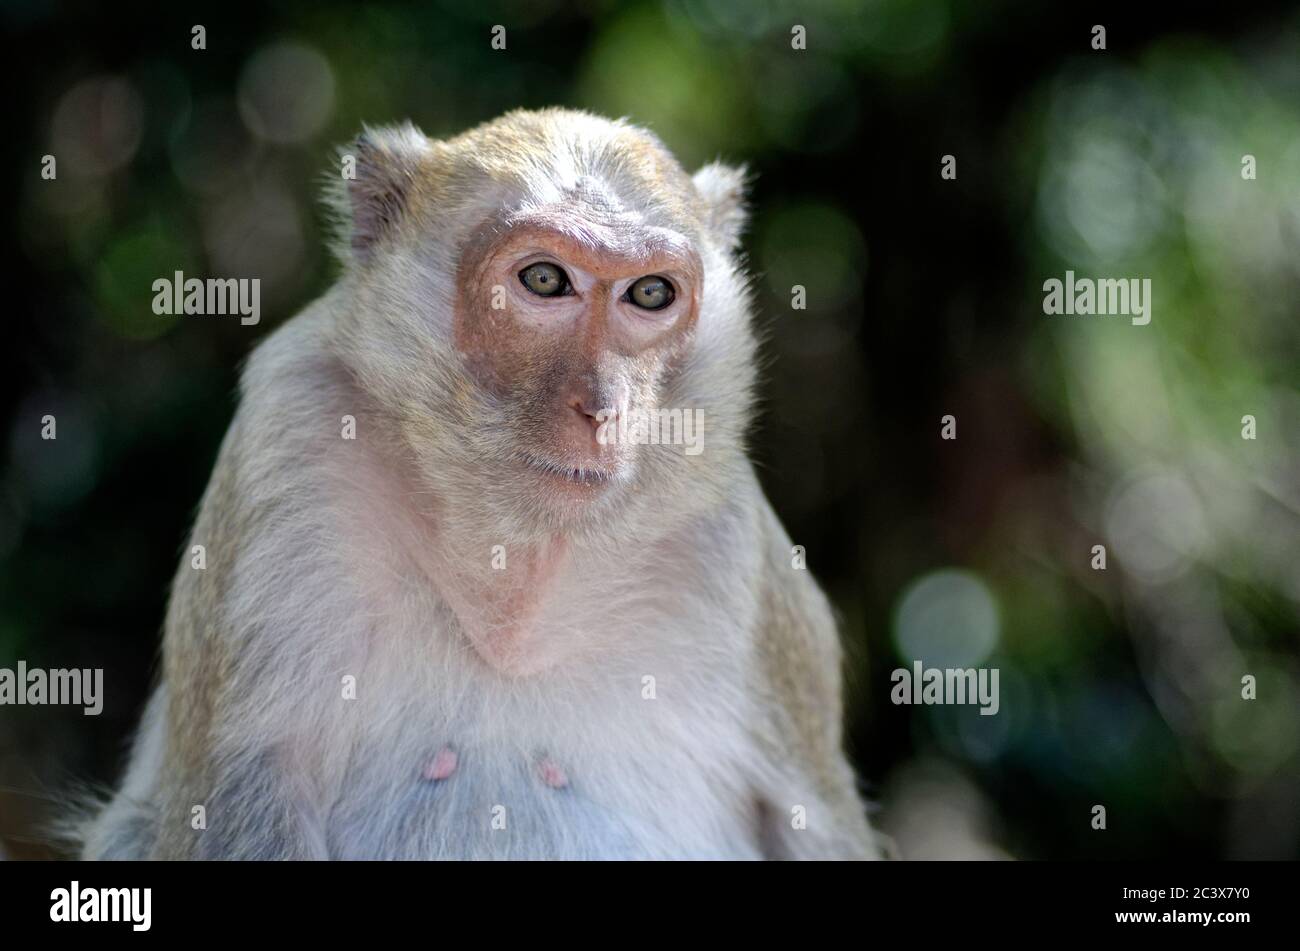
x=579 y=407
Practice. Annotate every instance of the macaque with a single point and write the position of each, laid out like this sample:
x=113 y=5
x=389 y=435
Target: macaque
x=442 y=614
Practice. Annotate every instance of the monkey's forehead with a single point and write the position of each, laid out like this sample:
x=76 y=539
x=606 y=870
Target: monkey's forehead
x=611 y=170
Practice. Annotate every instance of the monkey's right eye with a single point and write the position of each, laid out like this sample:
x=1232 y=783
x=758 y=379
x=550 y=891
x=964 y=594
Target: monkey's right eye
x=544 y=280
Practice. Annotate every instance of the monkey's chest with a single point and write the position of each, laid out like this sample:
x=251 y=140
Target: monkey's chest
x=615 y=784
x=641 y=744
x=515 y=814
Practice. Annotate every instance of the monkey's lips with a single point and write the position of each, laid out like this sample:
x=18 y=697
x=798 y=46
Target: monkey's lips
x=589 y=475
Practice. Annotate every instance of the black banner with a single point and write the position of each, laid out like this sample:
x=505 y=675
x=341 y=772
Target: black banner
x=1224 y=902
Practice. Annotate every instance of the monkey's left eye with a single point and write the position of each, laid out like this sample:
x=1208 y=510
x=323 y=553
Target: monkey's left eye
x=544 y=280
x=651 y=293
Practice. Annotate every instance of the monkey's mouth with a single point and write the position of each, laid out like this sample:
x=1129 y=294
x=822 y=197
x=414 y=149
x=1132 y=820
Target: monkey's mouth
x=574 y=475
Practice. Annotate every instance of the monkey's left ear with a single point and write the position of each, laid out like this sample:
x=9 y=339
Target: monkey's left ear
x=723 y=189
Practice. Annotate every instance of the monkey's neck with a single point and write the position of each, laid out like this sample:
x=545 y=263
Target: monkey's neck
x=500 y=599
x=499 y=585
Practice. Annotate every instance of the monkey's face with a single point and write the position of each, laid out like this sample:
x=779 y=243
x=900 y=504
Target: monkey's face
x=552 y=311
x=573 y=320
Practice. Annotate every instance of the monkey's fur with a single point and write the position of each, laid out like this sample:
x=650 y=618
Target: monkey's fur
x=650 y=637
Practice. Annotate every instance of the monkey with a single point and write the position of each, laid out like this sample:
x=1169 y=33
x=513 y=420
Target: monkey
x=442 y=615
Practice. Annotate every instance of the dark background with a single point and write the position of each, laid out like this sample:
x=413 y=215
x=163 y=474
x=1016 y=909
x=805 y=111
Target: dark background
x=1119 y=687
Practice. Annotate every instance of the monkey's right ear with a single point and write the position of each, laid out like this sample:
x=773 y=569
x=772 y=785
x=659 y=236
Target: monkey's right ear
x=723 y=189
x=378 y=171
